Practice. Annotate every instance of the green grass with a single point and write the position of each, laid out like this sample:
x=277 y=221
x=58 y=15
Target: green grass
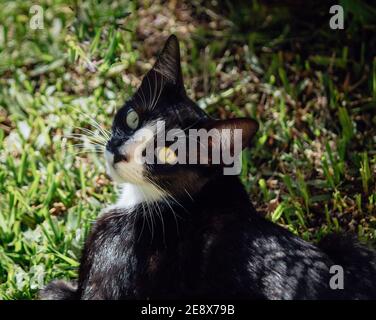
x=311 y=169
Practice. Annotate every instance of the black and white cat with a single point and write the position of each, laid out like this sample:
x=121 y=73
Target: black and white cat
x=188 y=230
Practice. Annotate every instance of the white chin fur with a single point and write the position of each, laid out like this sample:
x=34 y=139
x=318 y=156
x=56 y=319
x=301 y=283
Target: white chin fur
x=134 y=188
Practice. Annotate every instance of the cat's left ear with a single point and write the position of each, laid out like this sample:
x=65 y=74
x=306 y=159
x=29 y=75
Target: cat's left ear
x=241 y=131
x=231 y=136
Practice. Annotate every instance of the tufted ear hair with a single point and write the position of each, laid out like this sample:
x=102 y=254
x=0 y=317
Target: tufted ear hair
x=246 y=127
x=168 y=62
x=165 y=74
x=224 y=140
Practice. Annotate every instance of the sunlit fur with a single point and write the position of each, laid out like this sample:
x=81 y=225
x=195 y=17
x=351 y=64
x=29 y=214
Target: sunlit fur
x=188 y=231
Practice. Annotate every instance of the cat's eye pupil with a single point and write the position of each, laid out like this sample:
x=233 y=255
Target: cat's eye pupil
x=132 y=119
x=166 y=155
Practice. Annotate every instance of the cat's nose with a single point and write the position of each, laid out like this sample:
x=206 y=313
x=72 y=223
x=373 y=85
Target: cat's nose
x=120 y=157
x=113 y=144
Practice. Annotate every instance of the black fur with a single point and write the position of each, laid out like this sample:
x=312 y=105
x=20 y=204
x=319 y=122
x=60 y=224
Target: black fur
x=219 y=248
x=211 y=244
x=59 y=290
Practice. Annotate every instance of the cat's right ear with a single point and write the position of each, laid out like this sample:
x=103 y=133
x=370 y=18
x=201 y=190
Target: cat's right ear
x=166 y=72
x=168 y=62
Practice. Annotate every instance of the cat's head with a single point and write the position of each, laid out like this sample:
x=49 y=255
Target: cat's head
x=163 y=142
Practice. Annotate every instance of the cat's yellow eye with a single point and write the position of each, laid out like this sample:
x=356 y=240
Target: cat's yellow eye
x=132 y=119
x=167 y=155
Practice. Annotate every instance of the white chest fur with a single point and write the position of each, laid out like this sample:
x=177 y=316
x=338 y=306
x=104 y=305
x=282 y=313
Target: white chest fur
x=132 y=195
